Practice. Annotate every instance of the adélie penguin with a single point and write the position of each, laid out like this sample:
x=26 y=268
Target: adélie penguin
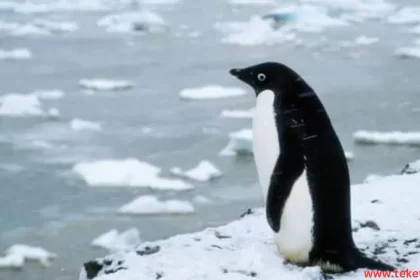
x=302 y=171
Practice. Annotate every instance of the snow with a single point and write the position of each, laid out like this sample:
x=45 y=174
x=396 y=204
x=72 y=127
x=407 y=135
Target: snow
x=211 y=92
x=245 y=248
x=238 y=114
x=16 y=255
x=105 y=84
x=15 y=54
x=82 y=125
x=363 y=40
x=52 y=94
x=240 y=142
x=390 y=138
x=115 y=242
x=133 y=22
x=148 y=205
x=126 y=172
x=204 y=171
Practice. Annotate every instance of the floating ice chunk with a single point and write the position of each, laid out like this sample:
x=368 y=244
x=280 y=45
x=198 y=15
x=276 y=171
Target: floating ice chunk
x=12 y=261
x=201 y=199
x=115 y=242
x=25 y=252
x=146 y=205
x=349 y=155
x=52 y=94
x=238 y=114
x=391 y=138
x=363 y=40
x=53 y=113
x=15 y=54
x=159 y=2
x=408 y=52
x=138 y=21
x=14 y=104
x=240 y=143
x=256 y=31
x=55 y=26
x=82 y=125
x=204 y=171
x=127 y=172
x=252 y=2
x=105 y=85
x=211 y=92
x=406 y=15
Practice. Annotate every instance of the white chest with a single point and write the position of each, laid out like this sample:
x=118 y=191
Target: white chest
x=294 y=240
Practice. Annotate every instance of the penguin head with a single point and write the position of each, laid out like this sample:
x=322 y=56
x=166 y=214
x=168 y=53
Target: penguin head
x=266 y=76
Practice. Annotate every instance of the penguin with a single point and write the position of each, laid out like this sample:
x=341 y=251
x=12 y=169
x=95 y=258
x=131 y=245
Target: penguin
x=302 y=171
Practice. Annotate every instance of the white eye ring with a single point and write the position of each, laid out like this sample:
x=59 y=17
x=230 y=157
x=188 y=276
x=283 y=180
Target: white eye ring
x=261 y=77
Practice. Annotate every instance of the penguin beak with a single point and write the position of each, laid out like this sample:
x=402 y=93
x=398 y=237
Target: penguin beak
x=235 y=72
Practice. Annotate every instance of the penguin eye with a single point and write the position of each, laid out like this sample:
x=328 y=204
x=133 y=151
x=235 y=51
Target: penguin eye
x=261 y=77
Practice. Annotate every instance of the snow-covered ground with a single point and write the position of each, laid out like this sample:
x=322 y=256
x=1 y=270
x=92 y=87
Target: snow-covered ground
x=385 y=226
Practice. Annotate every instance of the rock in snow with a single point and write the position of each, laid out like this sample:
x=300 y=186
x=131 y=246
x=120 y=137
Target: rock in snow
x=245 y=249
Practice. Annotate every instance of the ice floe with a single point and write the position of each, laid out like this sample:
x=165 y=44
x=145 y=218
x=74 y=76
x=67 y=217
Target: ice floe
x=201 y=199
x=238 y=114
x=252 y=2
x=115 y=241
x=349 y=155
x=363 y=40
x=411 y=168
x=21 y=105
x=204 y=171
x=139 y=21
x=82 y=125
x=240 y=142
x=15 y=54
x=406 y=15
x=105 y=84
x=385 y=225
x=211 y=92
x=126 y=172
x=16 y=255
x=372 y=177
x=52 y=94
x=37 y=27
x=408 y=52
x=391 y=137
x=148 y=205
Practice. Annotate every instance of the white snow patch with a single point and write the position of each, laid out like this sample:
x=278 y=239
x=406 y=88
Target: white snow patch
x=249 y=245
x=406 y=15
x=126 y=172
x=363 y=40
x=148 y=204
x=105 y=84
x=82 y=125
x=52 y=94
x=211 y=92
x=240 y=142
x=238 y=114
x=115 y=242
x=391 y=138
x=15 y=54
x=201 y=199
x=38 y=27
x=138 y=21
x=16 y=255
x=204 y=171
